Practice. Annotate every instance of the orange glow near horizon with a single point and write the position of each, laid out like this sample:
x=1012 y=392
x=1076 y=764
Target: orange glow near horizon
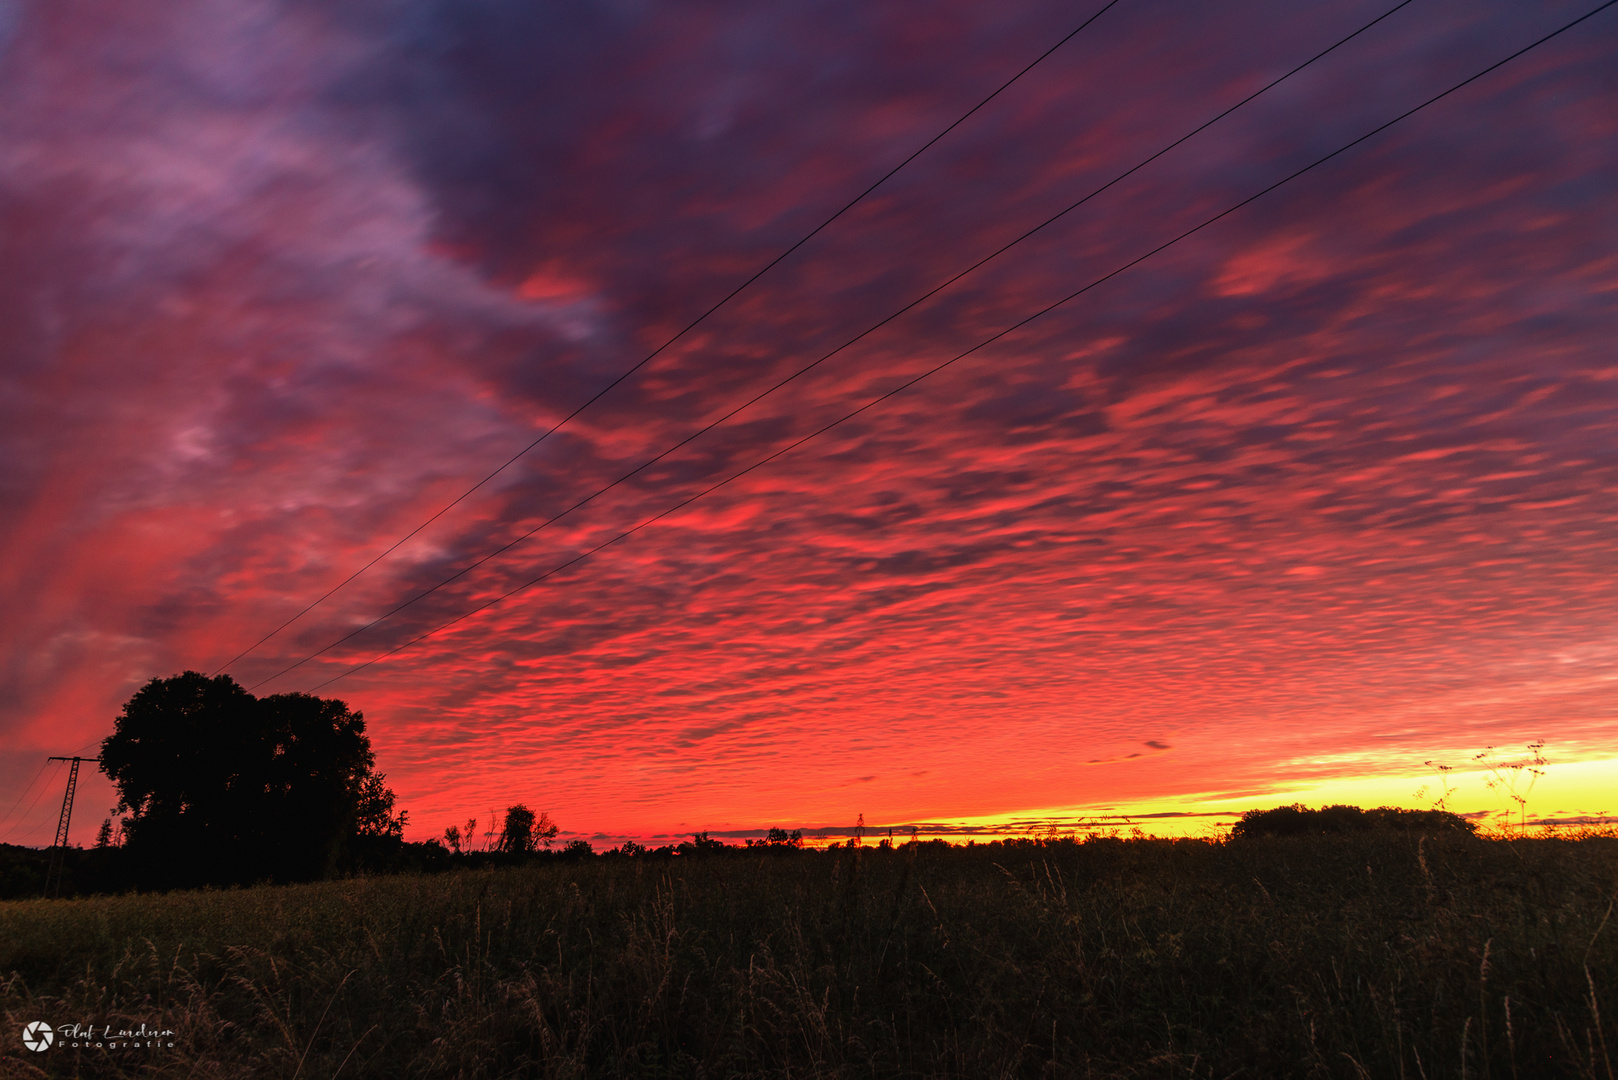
x=1566 y=798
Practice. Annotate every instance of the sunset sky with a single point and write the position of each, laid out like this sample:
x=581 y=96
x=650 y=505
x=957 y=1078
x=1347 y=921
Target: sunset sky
x=1321 y=493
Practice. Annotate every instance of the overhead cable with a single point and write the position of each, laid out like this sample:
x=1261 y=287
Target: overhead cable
x=987 y=341
x=946 y=283
x=649 y=357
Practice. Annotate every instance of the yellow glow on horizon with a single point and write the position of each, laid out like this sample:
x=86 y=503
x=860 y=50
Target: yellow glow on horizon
x=1570 y=793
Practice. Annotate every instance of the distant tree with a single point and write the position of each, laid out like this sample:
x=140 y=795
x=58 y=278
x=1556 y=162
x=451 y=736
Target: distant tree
x=490 y=835
x=1298 y=820
x=452 y=837
x=578 y=849
x=104 y=834
x=517 y=835
x=523 y=831
x=223 y=787
x=545 y=829
x=702 y=844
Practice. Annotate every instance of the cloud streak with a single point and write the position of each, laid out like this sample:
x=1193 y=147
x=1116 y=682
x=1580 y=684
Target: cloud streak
x=1330 y=481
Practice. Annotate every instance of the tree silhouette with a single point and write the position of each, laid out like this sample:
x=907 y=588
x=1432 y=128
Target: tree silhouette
x=517 y=837
x=523 y=830
x=224 y=787
x=1298 y=820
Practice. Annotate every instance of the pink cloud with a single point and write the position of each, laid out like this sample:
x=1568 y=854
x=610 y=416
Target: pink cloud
x=1332 y=478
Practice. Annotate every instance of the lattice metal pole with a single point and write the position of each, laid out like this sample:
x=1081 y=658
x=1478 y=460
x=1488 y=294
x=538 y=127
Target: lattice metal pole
x=59 y=849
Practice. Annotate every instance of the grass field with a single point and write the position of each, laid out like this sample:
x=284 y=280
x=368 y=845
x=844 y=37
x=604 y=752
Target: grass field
x=1370 y=955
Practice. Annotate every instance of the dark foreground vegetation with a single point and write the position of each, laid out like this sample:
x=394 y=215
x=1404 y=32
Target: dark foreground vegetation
x=1363 y=953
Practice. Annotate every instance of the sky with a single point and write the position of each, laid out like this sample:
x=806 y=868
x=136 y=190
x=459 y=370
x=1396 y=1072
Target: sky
x=1320 y=494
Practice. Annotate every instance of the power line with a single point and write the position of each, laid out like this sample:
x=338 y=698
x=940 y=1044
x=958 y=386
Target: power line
x=649 y=357
x=25 y=791
x=31 y=833
x=987 y=341
x=41 y=794
x=30 y=809
x=845 y=345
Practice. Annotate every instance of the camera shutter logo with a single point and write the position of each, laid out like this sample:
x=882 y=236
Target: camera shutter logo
x=38 y=1036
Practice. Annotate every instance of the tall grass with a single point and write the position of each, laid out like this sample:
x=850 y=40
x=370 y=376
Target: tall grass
x=1371 y=955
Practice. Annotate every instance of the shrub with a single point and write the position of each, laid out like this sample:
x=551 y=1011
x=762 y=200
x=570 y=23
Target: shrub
x=1297 y=820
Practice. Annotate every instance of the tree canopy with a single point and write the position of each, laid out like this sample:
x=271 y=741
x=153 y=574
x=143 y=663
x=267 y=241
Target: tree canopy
x=1297 y=820
x=523 y=830
x=223 y=787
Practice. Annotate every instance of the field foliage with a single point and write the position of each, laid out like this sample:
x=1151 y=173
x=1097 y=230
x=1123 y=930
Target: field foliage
x=1366 y=954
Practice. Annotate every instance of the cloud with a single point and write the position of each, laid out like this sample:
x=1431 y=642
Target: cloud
x=280 y=280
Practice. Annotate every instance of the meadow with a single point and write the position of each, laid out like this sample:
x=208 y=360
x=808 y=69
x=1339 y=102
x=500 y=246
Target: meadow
x=1376 y=954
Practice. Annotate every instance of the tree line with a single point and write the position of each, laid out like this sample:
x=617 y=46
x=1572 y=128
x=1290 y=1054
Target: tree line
x=218 y=787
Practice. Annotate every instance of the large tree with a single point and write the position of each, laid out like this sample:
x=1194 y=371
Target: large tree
x=224 y=787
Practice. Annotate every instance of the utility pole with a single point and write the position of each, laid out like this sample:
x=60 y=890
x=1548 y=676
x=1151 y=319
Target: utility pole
x=59 y=849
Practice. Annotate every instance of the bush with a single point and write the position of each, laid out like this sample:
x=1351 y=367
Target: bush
x=1297 y=820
